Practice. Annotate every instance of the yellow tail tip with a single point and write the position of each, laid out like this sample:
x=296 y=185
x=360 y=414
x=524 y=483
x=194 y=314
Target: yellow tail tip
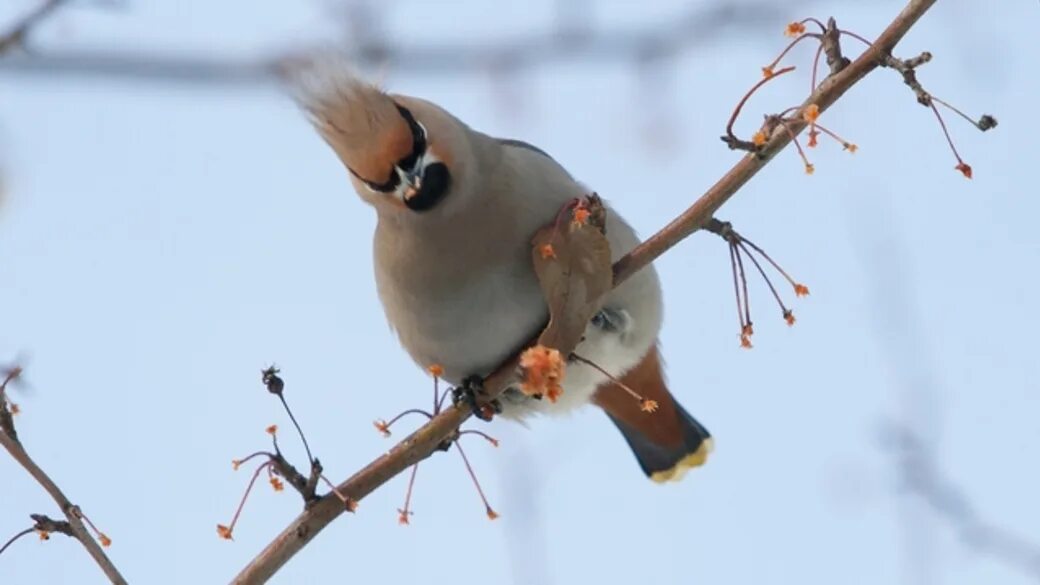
x=695 y=459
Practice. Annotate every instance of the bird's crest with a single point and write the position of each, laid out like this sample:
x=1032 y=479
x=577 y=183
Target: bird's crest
x=359 y=120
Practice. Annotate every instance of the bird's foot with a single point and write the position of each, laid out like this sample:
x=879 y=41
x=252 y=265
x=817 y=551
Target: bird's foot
x=471 y=393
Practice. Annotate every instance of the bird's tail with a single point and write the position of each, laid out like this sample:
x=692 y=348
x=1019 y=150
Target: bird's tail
x=667 y=442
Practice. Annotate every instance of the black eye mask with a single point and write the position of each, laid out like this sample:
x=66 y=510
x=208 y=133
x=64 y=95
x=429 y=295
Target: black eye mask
x=407 y=163
x=435 y=179
x=418 y=140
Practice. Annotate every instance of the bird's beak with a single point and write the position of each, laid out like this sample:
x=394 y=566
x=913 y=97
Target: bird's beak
x=412 y=181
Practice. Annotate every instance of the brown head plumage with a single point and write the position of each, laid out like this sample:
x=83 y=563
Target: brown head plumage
x=404 y=153
x=359 y=120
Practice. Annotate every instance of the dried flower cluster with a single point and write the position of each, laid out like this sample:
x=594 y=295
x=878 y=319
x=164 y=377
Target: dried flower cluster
x=791 y=119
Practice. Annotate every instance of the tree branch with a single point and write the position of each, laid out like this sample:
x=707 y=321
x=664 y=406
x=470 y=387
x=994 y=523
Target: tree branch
x=9 y=440
x=420 y=444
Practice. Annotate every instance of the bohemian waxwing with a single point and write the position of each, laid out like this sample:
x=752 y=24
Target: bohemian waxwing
x=456 y=213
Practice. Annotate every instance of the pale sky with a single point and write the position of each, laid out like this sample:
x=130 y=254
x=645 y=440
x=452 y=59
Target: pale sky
x=160 y=243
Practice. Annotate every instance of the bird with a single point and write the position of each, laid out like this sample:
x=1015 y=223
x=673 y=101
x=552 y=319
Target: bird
x=456 y=210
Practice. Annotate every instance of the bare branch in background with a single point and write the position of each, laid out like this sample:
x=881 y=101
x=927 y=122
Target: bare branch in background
x=368 y=47
x=16 y=35
x=897 y=335
x=912 y=438
x=921 y=477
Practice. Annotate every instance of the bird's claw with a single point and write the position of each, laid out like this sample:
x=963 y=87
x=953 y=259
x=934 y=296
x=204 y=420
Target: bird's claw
x=471 y=393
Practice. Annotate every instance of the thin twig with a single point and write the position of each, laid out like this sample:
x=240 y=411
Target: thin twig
x=765 y=277
x=986 y=122
x=71 y=511
x=743 y=289
x=11 y=540
x=276 y=385
x=831 y=44
x=908 y=69
x=730 y=138
x=424 y=441
x=946 y=132
x=407 y=511
x=491 y=514
x=479 y=433
x=299 y=430
x=611 y=377
x=736 y=287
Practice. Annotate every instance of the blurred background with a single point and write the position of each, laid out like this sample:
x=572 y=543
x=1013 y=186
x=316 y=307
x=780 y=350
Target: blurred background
x=170 y=224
